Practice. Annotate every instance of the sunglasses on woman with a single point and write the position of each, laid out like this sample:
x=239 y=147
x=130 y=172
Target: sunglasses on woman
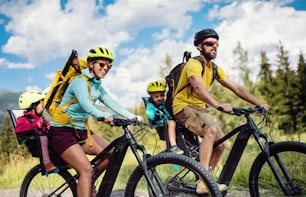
x=103 y=64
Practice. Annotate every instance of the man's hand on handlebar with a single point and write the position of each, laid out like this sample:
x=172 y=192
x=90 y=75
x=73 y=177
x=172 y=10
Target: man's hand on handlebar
x=225 y=107
x=265 y=106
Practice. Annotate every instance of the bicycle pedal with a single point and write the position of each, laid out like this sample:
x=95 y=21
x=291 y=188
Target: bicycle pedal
x=55 y=171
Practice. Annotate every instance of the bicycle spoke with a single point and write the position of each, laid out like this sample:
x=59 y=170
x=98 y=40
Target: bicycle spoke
x=56 y=184
x=171 y=175
x=292 y=173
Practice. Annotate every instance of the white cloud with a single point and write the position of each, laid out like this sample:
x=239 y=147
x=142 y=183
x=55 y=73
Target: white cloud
x=259 y=26
x=50 y=75
x=142 y=65
x=42 y=31
x=5 y=64
x=36 y=88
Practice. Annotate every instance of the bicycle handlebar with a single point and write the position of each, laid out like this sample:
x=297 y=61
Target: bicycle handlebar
x=124 y=122
x=238 y=111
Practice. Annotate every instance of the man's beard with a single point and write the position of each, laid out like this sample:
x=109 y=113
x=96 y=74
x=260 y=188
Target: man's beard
x=209 y=56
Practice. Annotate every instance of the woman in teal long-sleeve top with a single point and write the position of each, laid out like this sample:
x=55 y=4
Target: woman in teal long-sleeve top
x=71 y=138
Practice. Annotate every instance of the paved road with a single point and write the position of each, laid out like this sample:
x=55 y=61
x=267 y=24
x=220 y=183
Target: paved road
x=15 y=193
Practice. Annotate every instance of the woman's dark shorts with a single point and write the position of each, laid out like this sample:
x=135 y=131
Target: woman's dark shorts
x=61 y=138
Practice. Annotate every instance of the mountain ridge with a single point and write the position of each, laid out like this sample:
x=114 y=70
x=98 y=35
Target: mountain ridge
x=8 y=100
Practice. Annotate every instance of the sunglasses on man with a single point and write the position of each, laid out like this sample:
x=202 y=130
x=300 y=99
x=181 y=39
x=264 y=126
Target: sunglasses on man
x=210 y=43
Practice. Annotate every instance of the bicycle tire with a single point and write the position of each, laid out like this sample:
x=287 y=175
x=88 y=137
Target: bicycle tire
x=262 y=181
x=170 y=167
x=55 y=184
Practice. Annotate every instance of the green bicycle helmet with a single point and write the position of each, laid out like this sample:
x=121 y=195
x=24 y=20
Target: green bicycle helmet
x=100 y=52
x=203 y=34
x=156 y=86
x=27 y=98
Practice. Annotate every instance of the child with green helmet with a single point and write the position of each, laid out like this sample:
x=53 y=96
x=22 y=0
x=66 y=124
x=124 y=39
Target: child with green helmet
x=33 y=104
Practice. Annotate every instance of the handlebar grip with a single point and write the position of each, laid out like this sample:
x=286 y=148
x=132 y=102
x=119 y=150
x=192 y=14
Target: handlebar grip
x=220 y=108
x=101 y=119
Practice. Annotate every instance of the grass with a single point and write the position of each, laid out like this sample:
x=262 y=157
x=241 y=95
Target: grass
x=15 y=170
x=241 y=176
x=17 y=166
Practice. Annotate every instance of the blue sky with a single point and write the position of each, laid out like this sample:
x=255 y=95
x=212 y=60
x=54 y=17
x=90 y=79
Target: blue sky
x=37 y=36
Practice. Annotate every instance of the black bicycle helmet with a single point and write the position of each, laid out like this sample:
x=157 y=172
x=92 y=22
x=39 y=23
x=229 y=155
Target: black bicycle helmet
x=205 y=33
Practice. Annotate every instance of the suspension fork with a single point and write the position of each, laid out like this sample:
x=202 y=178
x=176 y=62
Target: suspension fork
x=273 y=165
x=149 y=175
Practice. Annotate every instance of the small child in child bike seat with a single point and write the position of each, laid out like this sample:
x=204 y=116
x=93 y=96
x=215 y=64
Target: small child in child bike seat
x=33 y=103
x=157 y=112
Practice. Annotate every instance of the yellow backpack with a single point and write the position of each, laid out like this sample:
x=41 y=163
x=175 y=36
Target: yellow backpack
x=72 y=68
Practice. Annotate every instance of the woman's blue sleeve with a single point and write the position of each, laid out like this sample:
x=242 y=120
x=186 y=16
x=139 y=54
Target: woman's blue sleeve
x=80 y=90
x=114 y=105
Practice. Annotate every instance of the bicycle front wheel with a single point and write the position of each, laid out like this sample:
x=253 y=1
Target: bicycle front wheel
x=170 y=175
x=289 y=161
x=55 y=184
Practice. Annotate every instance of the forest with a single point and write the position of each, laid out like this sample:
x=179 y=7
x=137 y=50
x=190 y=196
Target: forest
x=281 y=85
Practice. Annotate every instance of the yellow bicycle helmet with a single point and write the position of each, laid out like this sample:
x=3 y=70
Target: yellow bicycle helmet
x=27 y=98
x=100 y=52
x=156 y=86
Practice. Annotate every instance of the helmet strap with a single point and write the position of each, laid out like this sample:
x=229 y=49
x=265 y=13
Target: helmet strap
x=91 y=70
x=94 y=73
x=33 y=108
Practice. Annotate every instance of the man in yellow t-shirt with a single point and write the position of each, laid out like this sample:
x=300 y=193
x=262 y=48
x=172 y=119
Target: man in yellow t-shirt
x=191 y=101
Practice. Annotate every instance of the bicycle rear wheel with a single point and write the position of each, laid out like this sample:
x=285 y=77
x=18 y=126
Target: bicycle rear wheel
x=172 y=175
x=262 y=180
x=55 y=184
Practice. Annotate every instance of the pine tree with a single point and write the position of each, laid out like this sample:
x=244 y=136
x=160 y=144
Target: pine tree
x=8 y=140
x=301 y=82
x=266 y=82
x=242 y=66
x=164 y=70
x=287 y=97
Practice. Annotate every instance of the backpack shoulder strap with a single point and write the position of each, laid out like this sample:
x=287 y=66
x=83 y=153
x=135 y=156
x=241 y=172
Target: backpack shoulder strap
x=88 y=82
x=214 y=67
x=202 y=73
x=74 y=100
x=202 y=63
x=215 y=72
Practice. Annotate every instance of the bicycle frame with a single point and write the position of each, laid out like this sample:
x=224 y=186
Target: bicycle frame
x=120 y=146
x=235 y=154
x=245 y=131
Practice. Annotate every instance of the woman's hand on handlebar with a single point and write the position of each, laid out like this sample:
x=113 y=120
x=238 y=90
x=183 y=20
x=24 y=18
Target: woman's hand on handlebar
x=139 y=118
x=109 y=119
